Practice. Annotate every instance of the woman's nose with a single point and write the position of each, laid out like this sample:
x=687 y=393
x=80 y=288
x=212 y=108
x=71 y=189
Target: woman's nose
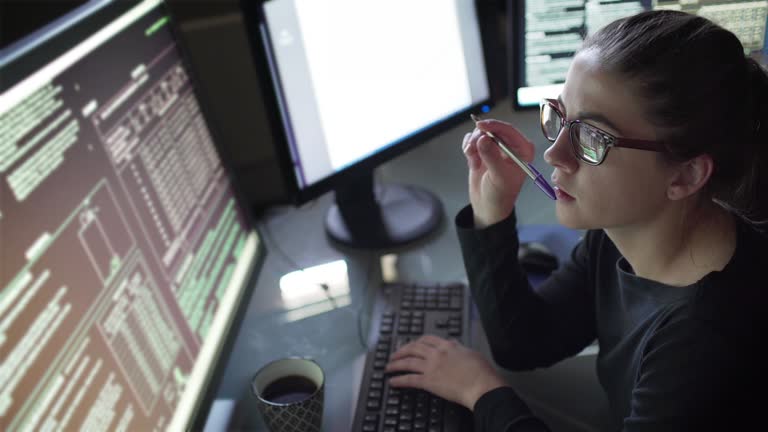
x=560 y=154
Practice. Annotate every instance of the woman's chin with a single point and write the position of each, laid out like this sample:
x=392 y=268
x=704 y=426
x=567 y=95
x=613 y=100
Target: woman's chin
x=570 y=219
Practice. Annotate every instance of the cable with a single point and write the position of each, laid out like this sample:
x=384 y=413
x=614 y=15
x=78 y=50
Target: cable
x=363 y=339
x=272 y=245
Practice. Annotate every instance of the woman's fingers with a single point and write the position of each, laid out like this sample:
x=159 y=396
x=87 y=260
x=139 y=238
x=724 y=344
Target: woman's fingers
x=412 y=349
x=510 y=136
x=465 y=142
x=470 y=152
x=408 y=380
x=492 y=157
x=409 y=364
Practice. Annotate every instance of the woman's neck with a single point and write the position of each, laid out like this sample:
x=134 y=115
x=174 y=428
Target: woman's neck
x=679 y=247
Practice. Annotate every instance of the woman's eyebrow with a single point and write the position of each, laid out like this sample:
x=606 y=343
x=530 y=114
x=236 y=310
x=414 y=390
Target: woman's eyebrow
x=586 y=115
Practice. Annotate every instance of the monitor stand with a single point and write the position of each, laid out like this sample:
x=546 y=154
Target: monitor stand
x=384 y=216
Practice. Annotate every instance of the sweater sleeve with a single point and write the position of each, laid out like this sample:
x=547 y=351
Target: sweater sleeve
x=526 y=328
x=501 y=410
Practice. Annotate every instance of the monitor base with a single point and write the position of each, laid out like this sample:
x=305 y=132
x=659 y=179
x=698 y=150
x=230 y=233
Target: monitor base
x=392 y=216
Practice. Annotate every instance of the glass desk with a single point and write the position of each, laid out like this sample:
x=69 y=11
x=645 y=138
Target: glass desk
x=301 y=321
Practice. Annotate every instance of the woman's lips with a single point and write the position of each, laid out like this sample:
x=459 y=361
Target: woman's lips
x=563 y=195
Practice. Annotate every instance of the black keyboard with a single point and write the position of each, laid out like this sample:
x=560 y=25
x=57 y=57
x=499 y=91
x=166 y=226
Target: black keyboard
x=402 y=313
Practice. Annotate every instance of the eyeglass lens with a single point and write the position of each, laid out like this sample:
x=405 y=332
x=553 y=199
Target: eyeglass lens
x=588 y=143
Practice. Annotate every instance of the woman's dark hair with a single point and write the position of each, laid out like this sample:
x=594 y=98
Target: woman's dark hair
x=702 y=93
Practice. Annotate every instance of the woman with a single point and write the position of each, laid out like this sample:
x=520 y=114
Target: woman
x=660 y=151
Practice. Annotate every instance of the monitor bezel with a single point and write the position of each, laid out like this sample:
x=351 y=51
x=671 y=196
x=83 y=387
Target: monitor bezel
x=516 y=51
x=253 y=18
x=224 y=351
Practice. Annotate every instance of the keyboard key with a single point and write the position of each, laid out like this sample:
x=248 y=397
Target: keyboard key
x=370 y=427
x=456 y=303
x=392 y=411
x=390 y=421
x=372 y=418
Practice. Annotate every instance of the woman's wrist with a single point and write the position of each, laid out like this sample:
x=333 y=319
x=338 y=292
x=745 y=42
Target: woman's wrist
x=482 y=387
x=484 y=220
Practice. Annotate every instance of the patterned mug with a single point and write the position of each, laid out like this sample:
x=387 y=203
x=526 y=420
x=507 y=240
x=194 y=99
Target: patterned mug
x=289 y=395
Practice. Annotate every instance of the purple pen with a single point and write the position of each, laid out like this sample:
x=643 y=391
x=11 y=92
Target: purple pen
x=532 y=172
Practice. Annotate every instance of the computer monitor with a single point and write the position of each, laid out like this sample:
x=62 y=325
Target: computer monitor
x=545 y=34
x=125 y=256
x=354 y=84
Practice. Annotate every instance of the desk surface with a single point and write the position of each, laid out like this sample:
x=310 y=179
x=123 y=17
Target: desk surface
x=276 y=325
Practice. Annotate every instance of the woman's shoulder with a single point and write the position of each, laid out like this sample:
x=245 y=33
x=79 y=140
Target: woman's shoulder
x=734 y=300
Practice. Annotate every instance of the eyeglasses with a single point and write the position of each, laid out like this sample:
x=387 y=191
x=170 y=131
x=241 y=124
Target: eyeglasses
x=590 y=144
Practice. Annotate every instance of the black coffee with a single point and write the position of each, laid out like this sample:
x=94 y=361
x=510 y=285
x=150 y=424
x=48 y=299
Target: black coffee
x=289 y=389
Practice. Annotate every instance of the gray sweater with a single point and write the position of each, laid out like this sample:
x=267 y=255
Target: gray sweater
x=671 y=358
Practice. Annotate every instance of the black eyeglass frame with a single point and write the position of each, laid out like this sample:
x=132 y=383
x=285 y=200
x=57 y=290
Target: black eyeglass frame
x=611 y=140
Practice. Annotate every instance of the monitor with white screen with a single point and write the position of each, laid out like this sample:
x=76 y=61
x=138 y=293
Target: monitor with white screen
x=354 y=84
x=125 y=257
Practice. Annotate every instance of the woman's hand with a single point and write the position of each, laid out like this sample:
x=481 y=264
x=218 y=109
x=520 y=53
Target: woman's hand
x=445 y=368
x=495 y=180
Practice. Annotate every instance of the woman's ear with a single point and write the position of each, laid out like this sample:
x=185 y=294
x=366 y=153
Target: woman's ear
x=690 y=176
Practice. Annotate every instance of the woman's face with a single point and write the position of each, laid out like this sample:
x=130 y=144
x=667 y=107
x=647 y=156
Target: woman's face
x=629 y=187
